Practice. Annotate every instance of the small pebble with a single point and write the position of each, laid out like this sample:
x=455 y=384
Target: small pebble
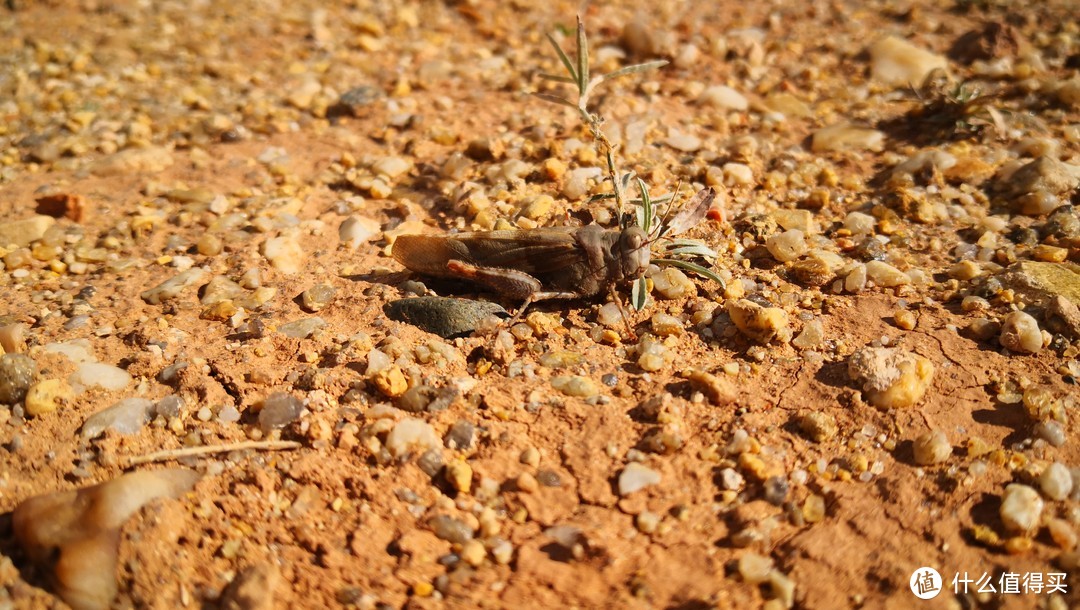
x=16 y=375
x=1020 y=334
x=451 y=529
x=896 y=62
x=665 y=325
x=754 y=568
x=575 y=385
x=609 y=315
x=301 y=329
x=932 y=448
x=776 y=490
x=647 y=522
x=527 y=483
x=390 y=382
x=635 y=477
x=174 y=286
x=1056 y=481
x=285 y=252
x=473 y=552
x=1021 y=508
x=411 y=434
x=672 y=283
x=78 y=351
x=818 y=427
x=813 y=509
x=885 y=275
x=317 y=297
x=127 y=416
x=811 y=336
x=1062 y=533
x=279 y=410
x=859 y=223
x=717 y=390
x=905 y=319
x=530 y=457
x=47 y=396
x=98 y=374
x=720 y=96
x=462 y=436
x=683 y=142
x=459 y=474
x=891 y=377
x=502 y=552
x=759 y=324
x=844 y=136
x=731 y=480
x=356 y=230
x=787 y=246
x=1052 y=432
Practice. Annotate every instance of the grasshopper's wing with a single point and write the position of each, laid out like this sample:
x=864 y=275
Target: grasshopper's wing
x=533 y=251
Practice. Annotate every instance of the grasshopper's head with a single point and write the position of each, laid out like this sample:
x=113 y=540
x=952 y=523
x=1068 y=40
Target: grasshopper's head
x=632 y=252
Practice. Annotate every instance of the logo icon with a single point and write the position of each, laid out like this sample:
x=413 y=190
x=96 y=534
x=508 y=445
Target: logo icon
x=925 y=583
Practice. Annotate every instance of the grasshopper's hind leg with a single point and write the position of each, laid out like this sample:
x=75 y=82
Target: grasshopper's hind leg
x=509 y=283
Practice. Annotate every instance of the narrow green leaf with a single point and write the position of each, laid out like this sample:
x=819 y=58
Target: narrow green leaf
x=557 y=78
x=582 y=58
x=639 y=293
x=692 y=267
x=547 y=97
x=562 y=56
x=696 y=250
x=645 y=210
x=645 y=67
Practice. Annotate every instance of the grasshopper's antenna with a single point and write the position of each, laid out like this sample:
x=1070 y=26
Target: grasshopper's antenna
x=663 y=226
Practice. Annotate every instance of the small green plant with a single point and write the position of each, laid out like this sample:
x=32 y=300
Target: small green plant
x=676 y=252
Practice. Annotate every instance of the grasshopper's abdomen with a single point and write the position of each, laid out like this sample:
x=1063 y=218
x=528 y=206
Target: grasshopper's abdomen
x=428 y=254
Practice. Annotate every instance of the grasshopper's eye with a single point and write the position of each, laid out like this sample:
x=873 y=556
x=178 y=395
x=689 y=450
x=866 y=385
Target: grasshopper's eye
x=634 y=238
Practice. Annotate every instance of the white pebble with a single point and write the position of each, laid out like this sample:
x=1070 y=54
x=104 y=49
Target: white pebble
x=932 y=448
x=609 y=315
x=98 y=374
x=284 y=252
x=577 y=182
x=411 y=434
x=77 y=351
x=635 y=477
x=391 y=167
x=172 y=287
x=1056 y=481
x=787 y=246
x=127 y=416
x=859 y=223
x=847 y=137
x=1021 y=508
x=356 y=230
x=683 y=142
x=897 y=62
x=738 y=174
x=1020 y=333
x=856 y=279
x=885 y=275
x=720 y=96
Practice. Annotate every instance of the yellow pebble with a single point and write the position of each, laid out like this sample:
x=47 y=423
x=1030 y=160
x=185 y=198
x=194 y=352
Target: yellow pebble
x=1050 y=254
x=47 y=396
x=391 y=382
x=459 y=473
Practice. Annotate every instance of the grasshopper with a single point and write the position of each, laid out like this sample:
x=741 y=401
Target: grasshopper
x=539 y=264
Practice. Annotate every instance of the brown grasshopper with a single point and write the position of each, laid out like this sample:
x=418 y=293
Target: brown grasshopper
x=539 y=264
